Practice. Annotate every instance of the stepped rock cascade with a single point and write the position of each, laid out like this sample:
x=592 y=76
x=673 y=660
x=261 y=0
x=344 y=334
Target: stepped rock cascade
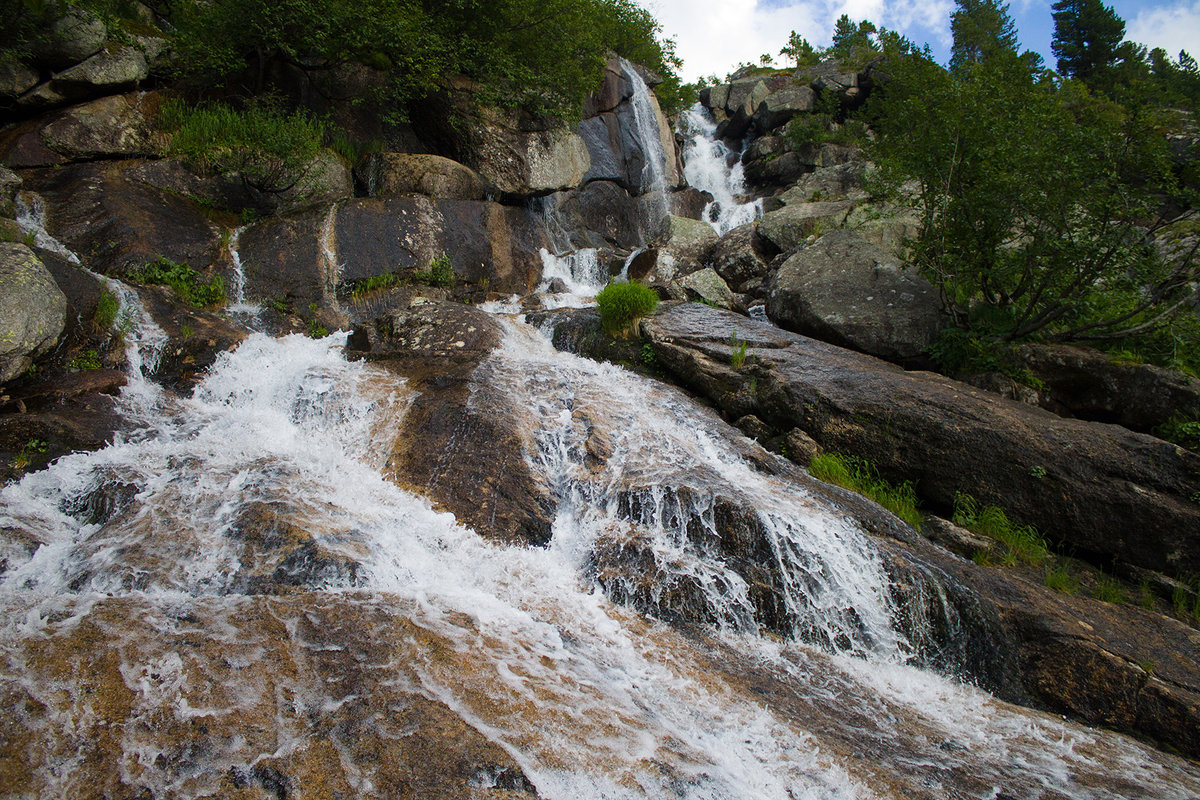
x=709 y=165
x=252 y=574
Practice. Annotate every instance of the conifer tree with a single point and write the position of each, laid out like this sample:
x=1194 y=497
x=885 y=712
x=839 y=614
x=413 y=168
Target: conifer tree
x=1087 y=40
x=981 y=28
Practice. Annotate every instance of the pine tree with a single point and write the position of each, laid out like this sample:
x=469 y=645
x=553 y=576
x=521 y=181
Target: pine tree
x=1087 y=38
x=848 y=37
x=981 y=29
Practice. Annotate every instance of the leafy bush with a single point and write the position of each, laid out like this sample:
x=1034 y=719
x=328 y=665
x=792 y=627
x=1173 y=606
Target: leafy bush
x=542 y=55
x=1039 y=201
x=1183 y=432
x=621 y=304
x=1023 y=542
x=271 y=149
x=860 y=475
x=187 y=282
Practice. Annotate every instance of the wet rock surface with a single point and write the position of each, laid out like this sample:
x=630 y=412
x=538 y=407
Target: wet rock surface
x=323 y=673
x=458 y=440
x=1106 y=491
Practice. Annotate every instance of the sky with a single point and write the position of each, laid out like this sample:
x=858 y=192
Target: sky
x=713 y=36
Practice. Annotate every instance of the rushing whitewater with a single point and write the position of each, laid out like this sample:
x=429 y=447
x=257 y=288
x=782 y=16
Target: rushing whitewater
x=710 y=166
x=147 y=543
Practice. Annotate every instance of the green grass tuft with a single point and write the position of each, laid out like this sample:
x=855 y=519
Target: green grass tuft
x=621 y=304
x=1023 y=543
x=439 y=273
x=860 y=475
x=1062 y=581
x=186 y=282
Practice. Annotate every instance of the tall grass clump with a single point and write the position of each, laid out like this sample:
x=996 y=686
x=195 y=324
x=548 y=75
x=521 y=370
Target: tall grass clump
x=621 y=304
x=269 y=147
x=860 y=475
x=1023 y=543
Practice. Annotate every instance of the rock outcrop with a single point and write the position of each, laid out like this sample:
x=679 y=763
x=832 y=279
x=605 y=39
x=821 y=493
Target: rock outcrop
x=1100 y=490
x=847 y=291
x=32 y=309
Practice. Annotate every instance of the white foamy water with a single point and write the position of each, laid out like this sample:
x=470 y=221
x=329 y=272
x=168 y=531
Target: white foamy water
x=592 y=699
x=710 y=166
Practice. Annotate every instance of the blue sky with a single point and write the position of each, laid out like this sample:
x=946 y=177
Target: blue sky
x=714 y=35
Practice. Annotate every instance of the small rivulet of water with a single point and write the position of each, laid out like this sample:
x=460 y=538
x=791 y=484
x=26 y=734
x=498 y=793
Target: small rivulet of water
x=709 y=165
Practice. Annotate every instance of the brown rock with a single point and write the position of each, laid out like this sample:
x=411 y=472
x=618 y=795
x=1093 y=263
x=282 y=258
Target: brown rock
x=433 y=176
x=1107 y=492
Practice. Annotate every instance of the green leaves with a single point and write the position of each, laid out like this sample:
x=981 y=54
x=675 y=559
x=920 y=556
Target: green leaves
x=1038 y=201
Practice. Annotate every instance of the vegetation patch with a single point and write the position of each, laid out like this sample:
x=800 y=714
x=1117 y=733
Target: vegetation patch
x=187 y=282
x=1182 y=431
x=1022 y=542
x=1061 y=580
x=439 y=273
x=87 y=360
x=271 y=148
x=860 y=475
x=622 y=304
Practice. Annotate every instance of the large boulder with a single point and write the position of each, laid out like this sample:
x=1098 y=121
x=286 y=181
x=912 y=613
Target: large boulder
x=106 y=72
x=598 y=214
x=71 y=38
x=778 y=107
x=10 y=183
x=789 y=227
x=115 y=223
x=33 y=310
x=16 y=79
x=516 y=157
x=740 y=257
x=845 y=290
x=120 y=126
x=707 y=286
x=1103 y=491
x=434 y=176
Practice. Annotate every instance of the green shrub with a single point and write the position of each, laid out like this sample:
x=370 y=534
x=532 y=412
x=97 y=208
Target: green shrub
x=270 y=148
x=439 y=273
x=860 y=475
x=1023 y=542
x=1181 y=431
x=621 y=304
x=186 y=282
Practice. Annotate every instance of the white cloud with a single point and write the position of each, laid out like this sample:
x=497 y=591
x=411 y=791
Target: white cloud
x=1172 y=27
x=713 y=36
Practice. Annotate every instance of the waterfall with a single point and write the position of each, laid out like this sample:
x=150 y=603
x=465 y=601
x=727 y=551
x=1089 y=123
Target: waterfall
x=144 y=339
x=147 y=541
x=709 y=166
x=654 y=159
x=239 y=306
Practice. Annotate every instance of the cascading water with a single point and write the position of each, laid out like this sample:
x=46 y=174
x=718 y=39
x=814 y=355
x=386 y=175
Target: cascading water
x=146 y=626
x=654 y=159
x=709 y=166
